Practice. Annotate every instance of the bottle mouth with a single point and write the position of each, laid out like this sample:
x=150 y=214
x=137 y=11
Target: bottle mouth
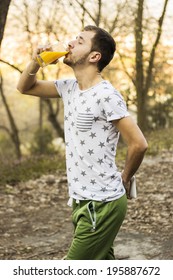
x=40 y=61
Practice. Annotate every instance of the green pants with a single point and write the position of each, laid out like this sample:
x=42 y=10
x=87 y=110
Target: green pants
x=96 y=226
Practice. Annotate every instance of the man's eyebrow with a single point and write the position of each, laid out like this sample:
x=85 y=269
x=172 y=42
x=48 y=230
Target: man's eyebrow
x=80 y=37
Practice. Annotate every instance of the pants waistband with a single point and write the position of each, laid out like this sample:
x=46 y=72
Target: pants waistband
x=80 y=202
x=73 y=201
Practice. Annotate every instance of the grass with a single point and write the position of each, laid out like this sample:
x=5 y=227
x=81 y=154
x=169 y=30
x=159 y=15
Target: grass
x=33 y=167
x=158 y=141
x=30 y=168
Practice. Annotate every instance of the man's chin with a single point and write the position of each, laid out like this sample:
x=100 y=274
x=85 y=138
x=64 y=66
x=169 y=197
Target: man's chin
x=67 y=61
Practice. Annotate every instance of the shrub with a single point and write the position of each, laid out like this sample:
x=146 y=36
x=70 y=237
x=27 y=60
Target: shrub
x=42 y=142
x=30 y=168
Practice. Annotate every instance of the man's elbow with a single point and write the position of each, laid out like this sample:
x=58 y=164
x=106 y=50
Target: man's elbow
x=20 y=89
x=142 y=146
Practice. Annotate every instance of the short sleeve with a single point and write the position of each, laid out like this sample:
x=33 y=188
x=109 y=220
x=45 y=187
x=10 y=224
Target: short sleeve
x=114 y=106
x=64 y=86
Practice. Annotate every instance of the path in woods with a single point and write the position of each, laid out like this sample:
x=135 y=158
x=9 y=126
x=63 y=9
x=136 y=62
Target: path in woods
x=35 y=221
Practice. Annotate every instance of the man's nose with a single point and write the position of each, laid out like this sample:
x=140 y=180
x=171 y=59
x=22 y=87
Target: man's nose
x=71 y=44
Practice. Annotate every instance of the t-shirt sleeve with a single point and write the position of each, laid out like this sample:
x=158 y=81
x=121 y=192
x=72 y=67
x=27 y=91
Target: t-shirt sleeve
x=64 y=87
x=61 y=86
x=114 y=106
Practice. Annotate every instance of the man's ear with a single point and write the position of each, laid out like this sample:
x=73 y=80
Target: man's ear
x=95 y=56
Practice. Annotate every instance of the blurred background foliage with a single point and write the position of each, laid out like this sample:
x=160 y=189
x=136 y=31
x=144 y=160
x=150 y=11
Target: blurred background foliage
x=32 y=129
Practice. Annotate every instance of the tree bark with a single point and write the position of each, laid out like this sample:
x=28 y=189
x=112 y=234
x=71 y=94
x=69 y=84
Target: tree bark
x=4 y=6
x=139 y=83
x=52 y=117
x=14 y=133
x=142 y=83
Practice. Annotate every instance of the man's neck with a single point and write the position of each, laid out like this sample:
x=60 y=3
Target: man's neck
x=87 y=77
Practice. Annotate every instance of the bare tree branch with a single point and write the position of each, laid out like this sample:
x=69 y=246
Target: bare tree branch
x=125 y=69
x=152 y=54
x=14 y=130
x=120 y=7
x=11 y=65
x=86 y=10
x=6 y=129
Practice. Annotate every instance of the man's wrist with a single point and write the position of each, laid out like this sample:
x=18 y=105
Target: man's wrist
x=33 y=67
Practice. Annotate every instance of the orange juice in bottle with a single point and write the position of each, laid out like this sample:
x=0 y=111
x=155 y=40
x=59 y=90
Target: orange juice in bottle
x=56 y=51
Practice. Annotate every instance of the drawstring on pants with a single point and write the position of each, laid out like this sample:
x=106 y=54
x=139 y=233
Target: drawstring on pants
x=91 y=210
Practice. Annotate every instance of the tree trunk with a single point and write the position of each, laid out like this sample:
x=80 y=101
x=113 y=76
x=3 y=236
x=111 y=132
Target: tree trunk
x=52 y=117
x=14 y=131
x=139 y=83
x=4 y=6
x=143 y=84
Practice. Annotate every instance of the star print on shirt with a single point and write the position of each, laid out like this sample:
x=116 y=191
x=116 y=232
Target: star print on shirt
x=96 y=119
x=103 y=189
x=88 y=109
x=103 y=112
x=90 y=167
x=90 y=152
x=82 y=142
x=66 y=118
x=93 y=181
x=107 y=99
x=92 y=135
x=98 y=101
x=83 y=102
x=83 y=173
x=102 y=175
x=110 y=114
x=91 y=140
x=102 y=144
x=120 y=103
x=105 y=127
x=100 y=161
x=75 y=179
x=112 y=148
x=94 y=94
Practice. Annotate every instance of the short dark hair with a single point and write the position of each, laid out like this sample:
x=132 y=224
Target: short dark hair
x=104 y=43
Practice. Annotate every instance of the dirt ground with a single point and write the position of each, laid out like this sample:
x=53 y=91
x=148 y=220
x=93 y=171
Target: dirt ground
x=35 y=221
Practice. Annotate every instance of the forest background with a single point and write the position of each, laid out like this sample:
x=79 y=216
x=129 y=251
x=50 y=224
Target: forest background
x=35 y=222
x=141 y=70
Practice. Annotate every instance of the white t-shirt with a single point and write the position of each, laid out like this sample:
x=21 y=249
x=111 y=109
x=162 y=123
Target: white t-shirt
x=91 y=139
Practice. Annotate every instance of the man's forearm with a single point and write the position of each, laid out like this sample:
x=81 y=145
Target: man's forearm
x=28 y=77
x=133 y=160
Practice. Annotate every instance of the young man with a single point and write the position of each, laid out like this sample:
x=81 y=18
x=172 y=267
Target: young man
x=95 y=113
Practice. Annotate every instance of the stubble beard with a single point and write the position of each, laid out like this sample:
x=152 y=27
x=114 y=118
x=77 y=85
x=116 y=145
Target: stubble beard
x=80 y=61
